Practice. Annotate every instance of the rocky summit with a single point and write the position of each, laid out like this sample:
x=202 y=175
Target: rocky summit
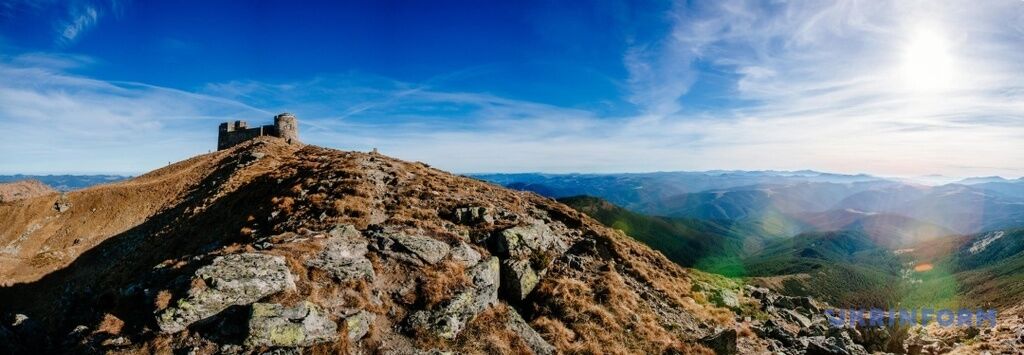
x=269 y=247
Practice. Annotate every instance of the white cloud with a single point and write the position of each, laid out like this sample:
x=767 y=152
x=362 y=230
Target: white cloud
x=831 y=86
x=56 y=122
x=82 y=19
x=821 y=84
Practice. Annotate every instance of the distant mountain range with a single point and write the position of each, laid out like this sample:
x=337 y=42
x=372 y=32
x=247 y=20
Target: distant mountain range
x=65 y=182
x=854 y=261
x=795 y=202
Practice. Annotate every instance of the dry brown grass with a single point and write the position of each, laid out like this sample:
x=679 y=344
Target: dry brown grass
x=162 y=300
x=440 y=282
x=489 y=335
x=586 y=311
x=110 y=325
x=599 y=317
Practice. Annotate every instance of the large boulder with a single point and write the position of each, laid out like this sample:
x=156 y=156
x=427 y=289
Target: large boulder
x=723 y=342
x=725 y=298
x=526 y=240
x=344 y=256
x=412 y=248
x=428 y=249
x=303 y=325
x=237 y=279
x=448 y=320
x=518 y=279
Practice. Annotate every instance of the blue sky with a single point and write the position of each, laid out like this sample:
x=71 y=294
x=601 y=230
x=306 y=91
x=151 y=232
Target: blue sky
x=890 y=88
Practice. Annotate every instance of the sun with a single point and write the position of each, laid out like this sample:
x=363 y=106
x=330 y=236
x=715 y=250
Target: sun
x=927 y=62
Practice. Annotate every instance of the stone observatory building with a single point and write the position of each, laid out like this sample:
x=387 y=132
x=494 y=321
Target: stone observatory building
x=285 y=126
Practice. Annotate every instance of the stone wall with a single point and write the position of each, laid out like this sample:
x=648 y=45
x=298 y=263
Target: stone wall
x=285 y=126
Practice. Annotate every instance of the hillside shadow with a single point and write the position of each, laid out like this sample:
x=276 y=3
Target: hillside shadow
x=118 y=277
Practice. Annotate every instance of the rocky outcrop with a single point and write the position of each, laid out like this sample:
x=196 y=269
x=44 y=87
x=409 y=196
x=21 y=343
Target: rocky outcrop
x=527 y=240
x=344 y=256
x=725 y=298
x=414 y=249
x=526 y=251
x=237 y=279
x=795 y=325
x=63 y=204
x=303 y=325
x=517 y=279
x=448 y=320
x=722 y=343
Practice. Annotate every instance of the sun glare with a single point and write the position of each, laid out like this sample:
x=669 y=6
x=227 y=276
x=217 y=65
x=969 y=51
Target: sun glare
x=928 y=63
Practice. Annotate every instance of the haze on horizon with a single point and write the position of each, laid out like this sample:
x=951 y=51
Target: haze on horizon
x=889 y=88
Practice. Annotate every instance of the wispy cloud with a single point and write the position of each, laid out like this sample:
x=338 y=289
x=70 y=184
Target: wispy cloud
x=70 y=19
x=831 y=86
x=61 y=122
x=81 y=20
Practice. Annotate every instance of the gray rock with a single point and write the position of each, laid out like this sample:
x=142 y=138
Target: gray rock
x=236 y=279
x=772 y=330
x=276 y=326
x=426 y=249
x=358 y=324
x=344 y=256
x=725 y=298
x=346 y=231
x=465 y=254
x=62 y=205
x=524 y=241
x=838 y=342
x=795 y=316
x=723 y=343
x=518 y=279
x=448 y=321
x=518 y=325
x=825 y=346
x=472 y=215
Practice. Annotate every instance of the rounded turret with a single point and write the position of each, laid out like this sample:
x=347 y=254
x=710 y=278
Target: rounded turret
x=287 y=127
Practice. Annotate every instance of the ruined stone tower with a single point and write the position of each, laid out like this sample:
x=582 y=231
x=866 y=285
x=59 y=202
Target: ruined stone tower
x=285 y=126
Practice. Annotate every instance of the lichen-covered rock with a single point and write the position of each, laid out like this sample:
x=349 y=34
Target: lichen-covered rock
x=236 y=279
x=447 y=321
x=357 y=325
x=518 y=325
x=426 y=249
x=518 y=279
x=465 y=255
x=344 y=257
x=725 y=298
x=274 y=325
x=522 y=241
x=528 y=241
x=346 y=231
